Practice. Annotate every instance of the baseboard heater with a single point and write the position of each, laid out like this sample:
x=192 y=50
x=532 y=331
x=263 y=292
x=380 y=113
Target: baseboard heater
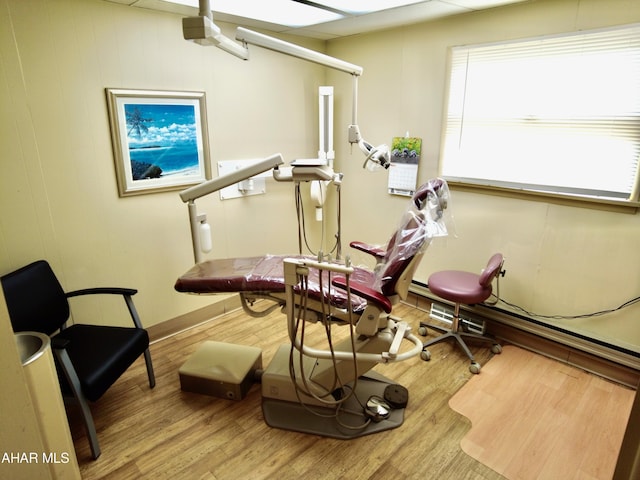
x=444 y=314
x=474 y=318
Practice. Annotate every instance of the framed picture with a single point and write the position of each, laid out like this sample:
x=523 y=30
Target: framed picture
x=159 y=138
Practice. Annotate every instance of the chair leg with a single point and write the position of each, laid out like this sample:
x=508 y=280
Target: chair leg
x=464 y=347
x=150 y=374
x=456 y=334
x=147 y=354
x=90 y=427
x=74 y=383
x=437 y=328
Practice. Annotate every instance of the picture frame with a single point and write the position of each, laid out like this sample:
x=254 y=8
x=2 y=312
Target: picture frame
x=160 y=140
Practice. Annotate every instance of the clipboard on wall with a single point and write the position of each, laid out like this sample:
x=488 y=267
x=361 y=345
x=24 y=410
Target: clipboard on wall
x=403 y=170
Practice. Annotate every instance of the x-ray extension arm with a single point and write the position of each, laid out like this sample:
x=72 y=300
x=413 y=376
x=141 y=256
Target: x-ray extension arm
x=190 y=195
x=378 y=155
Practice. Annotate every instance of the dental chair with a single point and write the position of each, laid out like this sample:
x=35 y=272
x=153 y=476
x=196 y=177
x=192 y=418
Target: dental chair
x=263 y=277
x=331 y=392
x=463 y=288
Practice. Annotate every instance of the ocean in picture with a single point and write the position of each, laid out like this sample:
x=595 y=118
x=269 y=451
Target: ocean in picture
x=162 y=139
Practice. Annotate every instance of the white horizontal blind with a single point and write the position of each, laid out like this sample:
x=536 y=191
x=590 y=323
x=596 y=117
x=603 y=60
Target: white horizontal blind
x=558 y=114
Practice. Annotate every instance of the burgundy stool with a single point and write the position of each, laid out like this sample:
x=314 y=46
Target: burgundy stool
x=462 y=288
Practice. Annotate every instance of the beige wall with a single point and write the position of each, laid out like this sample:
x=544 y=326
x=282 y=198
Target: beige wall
x=560 y=259
x=58 y=194
x=58 y=191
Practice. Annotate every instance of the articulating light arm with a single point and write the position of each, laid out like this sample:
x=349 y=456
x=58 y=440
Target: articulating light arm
x=210 y=186
x=197 y=221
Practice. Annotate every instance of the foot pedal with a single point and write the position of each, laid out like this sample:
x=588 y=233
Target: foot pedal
x=397 y=396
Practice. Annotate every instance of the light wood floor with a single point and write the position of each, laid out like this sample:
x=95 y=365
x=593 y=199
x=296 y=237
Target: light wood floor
x=535 y=418
x=167 y=433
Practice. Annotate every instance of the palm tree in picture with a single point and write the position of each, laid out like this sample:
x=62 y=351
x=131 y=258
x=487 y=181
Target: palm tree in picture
x=137 y=122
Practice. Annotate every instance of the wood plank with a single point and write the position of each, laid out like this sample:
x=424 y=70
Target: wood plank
x=536 y=418
x=167 y=433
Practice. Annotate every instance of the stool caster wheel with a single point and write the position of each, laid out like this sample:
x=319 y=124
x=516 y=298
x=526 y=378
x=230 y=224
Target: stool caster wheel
x=425 y=355
x=496 y=348
x=422 y=331
x=474 y=368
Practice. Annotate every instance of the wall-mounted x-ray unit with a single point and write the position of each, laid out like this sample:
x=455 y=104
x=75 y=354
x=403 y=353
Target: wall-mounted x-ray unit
x=202 y=30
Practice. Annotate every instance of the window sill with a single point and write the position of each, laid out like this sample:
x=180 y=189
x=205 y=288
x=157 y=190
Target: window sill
x=610 y=205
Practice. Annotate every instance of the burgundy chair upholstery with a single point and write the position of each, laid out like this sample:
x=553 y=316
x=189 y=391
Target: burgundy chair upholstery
x=396 y=263
x=463 y=288
x=89 y=358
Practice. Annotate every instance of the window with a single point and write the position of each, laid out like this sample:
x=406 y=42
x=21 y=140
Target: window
x=554 y=114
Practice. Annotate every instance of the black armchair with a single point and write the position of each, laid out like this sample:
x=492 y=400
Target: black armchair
x=89 y=358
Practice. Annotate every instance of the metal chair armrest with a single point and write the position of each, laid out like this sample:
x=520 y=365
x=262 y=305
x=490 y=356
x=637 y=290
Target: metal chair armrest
x=126 y=293
x=102 y=290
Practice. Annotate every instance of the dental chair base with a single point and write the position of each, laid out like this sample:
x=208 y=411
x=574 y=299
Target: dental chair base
x=283 y=408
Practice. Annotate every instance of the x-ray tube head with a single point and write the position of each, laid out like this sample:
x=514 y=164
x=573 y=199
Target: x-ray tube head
x=379 y=155
x=375 y=156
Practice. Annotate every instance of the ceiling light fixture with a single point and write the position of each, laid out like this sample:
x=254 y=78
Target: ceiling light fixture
x=293 y=14
x=360 y=7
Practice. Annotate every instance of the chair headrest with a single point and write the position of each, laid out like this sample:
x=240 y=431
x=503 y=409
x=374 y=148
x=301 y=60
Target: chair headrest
x=433 y=186
x=422 y=220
